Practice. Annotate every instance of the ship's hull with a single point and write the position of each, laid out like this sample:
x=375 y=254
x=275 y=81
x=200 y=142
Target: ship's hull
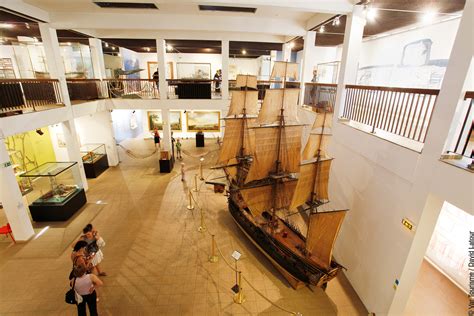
x=293 y=267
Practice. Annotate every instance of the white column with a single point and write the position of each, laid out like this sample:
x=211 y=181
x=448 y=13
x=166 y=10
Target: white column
x=166 y=139
x=54 y=60
x=350 y=55
x=225 y=70
x=286 y=52
x=161 y=51
x=97 y=55
x=12 y=200
x=444 y=115
x=73 y=150
x=309 y=53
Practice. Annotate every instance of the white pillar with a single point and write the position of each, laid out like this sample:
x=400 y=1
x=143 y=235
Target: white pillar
x=350 y=55
x=166 y=139
x=225 y=70
x=309 y=53
x=97 y=55
x=54 y=60
x=444 y=115
x=161 y=52
x=10 y=195
x=73 y=150
x=286 y=52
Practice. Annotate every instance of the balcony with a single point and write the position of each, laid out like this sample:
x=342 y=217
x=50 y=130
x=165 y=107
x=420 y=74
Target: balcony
x=19 y=96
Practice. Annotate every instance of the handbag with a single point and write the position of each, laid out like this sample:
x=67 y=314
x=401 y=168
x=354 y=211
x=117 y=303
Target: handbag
x=71 y=294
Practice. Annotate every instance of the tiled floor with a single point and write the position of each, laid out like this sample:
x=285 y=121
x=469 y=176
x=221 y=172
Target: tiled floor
x=435 y=294
x=156 y=260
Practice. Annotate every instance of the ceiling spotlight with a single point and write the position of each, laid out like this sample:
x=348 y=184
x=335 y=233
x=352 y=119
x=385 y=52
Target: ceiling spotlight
x=322 y=29
x=27 y=25
x=244 y=52
x=39 y=131
x=6 y=26
x=147 y=49
x=68 y=43
x=336 y=21
x=113 y=48
x=106 y=44
x=292 y=45
x=428 y=16
x=371 y=14
x=169 y=47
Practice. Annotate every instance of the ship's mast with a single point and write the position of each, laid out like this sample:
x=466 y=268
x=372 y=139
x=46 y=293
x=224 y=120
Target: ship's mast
x=244 y=119
x=278 y=162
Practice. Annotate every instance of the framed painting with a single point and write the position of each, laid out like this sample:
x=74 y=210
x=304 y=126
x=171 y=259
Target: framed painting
x=193 y=71
x=155 y=120
x=152 y=66
x=206 y=121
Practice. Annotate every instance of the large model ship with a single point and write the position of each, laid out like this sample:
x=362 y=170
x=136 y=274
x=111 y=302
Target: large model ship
x=278 y=192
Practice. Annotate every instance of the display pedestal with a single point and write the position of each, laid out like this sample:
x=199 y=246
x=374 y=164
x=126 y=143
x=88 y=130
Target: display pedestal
x=95 y=169
x=166 y=165
x=45 y=212
x=199 y=139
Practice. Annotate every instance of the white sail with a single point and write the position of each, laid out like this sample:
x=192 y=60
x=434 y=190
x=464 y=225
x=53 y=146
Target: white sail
x=274 y=100
x=243 y=99
x=283 y=69
x=246 y=81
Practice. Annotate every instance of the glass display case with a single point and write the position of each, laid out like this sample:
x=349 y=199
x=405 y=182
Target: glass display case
x=56 y=194
x=94 y=157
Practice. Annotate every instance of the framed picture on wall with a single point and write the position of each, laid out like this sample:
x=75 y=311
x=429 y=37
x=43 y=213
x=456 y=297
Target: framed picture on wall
x=155 y=120
x=206 y=121
x=193 y=71
x=152 y=66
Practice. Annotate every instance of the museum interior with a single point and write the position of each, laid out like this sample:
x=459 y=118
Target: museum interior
x=212 y=149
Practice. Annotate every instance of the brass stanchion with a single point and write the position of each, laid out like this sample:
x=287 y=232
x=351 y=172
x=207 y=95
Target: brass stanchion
x=200 y=169
x=190 y=205
x=195 y=183
x=202 y=228
x=213 y=258
x=239 y=298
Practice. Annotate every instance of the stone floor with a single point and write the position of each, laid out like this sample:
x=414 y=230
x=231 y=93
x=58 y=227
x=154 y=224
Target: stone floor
x=156 y=260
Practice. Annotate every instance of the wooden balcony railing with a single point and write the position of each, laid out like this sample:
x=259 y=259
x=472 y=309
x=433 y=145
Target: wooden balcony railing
x=132 y=88
x=320 y=95
x=86 y=89
x=19 y=95
x=402 y=111
x=465 y=136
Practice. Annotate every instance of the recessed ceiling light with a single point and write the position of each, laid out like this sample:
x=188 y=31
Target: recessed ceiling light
x=68 y=43
x=322 y=29
x=428 y=16
x=147 y=49
x=244 y=52
x=371 y=14
x=292 y=45
x=106 y=44
x=6 y=26
x=169 y=47
x=113 y=47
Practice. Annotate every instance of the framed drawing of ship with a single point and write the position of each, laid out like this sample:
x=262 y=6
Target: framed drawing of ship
x=278 y=196
x=206 y=121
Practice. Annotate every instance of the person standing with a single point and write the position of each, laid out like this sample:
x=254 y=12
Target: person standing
x=91 y=237
x=85 y=285
x=178 y=149
x=218 y=80
x=157 y=138
x=182 y=172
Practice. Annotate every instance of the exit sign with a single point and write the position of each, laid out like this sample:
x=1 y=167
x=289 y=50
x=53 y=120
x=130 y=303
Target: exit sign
x=408 y=224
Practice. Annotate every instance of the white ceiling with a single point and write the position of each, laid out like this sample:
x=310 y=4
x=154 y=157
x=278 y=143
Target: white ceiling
x=272 y=18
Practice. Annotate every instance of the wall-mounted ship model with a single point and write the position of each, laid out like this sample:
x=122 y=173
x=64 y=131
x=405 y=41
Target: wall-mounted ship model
x=278 y=195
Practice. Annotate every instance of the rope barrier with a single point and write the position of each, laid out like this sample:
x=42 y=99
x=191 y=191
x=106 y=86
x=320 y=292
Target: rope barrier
x=137 y=156
x=230 y=265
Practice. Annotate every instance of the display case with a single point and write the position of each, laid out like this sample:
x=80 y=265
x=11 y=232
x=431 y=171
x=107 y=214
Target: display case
x=94 y=158
x=166 y=162
x=56 y=195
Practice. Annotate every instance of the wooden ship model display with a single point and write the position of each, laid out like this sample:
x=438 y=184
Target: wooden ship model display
x=278 y=196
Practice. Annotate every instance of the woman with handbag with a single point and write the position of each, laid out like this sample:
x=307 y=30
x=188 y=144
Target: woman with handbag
x=79 y=257
x=85 y=285
x=93 y=239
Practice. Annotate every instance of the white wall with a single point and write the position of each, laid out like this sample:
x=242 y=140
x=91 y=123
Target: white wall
x=121 y=124
x=97 y=129
x=6 y=51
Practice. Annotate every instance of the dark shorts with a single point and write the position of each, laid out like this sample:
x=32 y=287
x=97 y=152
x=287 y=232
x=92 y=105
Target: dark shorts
x=157 y=140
